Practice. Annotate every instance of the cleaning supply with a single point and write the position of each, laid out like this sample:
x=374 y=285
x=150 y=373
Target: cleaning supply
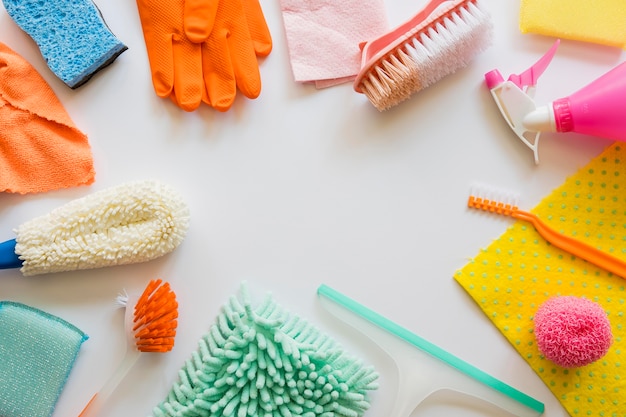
x=191 y=60
x=229 y=52
x=597 y=109
x=38 y=352
x=133 y=222
x=150 y=327
x=41 y=149
x=265 y=361
x=424 y=368
x=518 y=271
x=515 y=97
x=572 y=331
x=259 y=31
x=175 y=61
x=323 y=37
x=599 y=22
x=489 y=199
x=443 y=37
x=72 y=36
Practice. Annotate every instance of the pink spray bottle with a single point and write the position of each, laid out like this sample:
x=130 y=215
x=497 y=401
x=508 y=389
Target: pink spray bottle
x=598 y=109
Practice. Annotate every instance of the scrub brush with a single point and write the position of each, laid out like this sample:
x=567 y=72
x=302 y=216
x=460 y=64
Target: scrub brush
x=499 y=202
x=130 y=223
x=440 y=39
x=150 y=327
x=266 y=362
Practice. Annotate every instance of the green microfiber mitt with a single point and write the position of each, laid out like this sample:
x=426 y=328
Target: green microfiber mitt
x=71 y=35
x=265 y=362
x=37 y=352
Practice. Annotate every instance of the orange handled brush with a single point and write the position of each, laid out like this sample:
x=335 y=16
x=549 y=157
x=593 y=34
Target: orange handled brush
x=150 y=327
x=561 y=241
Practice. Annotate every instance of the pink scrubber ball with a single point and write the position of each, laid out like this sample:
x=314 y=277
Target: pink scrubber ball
x=572 y=331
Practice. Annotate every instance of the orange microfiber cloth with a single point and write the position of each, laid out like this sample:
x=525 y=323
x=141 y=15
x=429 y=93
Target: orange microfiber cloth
x=40 y=148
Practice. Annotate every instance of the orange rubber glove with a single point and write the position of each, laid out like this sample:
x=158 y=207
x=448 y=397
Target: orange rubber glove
x=198 y=19
x=229 y=52
x=175 y=60
x=260 y=33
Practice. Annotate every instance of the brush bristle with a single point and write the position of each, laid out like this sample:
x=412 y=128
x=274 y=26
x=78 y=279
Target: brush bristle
x=129 y=223
x=155 y=318
x=442 y=48
x=266 y=362
x=487 y=198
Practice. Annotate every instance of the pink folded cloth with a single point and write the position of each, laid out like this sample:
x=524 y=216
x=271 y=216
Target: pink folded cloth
x=323 y=37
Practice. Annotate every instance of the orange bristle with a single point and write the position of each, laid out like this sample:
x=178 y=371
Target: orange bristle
x=155 y=318
x=491 y=205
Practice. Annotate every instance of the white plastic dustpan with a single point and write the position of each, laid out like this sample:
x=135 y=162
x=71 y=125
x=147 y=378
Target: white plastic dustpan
x=423 y=368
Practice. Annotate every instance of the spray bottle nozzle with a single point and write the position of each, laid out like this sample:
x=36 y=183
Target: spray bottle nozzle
x=530 y=77
x=514 y=97
x=493 y=79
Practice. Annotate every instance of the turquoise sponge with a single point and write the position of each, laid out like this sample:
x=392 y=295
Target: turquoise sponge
x=71 y=35
x=266 y=362
x=37 y=352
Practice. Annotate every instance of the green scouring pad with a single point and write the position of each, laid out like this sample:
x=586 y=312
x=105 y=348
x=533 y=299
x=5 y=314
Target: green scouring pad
x=265 y=362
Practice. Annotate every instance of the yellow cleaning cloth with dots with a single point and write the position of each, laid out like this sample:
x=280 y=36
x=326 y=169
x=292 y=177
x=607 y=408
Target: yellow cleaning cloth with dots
x=597 y=21
x=519 y=271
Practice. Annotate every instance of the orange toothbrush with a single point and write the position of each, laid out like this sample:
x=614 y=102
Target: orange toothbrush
x=150 y=327
x=574 y=246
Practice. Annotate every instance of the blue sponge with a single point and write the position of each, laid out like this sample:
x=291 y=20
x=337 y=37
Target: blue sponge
x=71 y=35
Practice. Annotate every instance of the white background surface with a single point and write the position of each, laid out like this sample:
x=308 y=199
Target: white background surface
x=302 y=187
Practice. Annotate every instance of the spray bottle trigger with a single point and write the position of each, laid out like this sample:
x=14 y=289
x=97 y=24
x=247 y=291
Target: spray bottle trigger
x=527 y=80
x=514 y=104
x=514 y=97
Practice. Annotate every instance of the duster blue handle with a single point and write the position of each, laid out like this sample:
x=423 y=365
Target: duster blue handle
x=8 y=257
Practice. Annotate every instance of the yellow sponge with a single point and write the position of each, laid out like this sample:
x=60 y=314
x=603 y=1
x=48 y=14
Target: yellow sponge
x=598 y=21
